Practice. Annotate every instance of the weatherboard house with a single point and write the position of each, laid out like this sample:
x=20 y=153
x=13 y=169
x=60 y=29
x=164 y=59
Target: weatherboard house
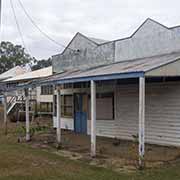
x=123 y=88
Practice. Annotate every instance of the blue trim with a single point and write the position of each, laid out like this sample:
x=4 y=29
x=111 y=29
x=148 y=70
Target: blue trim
x=100 y=78
x=84 y=79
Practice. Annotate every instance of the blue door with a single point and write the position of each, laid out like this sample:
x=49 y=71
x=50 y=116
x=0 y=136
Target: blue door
x=80 y=113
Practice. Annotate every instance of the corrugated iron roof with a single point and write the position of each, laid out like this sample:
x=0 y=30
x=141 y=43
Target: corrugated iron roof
x=13 y=72
x=32 y=75
x=125 y=69
x=138 y=65
x=132 y=66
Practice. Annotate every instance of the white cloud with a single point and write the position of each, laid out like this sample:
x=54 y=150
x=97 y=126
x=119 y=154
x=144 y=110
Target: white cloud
x=61 y=19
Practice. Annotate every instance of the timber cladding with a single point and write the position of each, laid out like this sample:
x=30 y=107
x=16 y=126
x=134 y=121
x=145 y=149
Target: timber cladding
x=162 y=113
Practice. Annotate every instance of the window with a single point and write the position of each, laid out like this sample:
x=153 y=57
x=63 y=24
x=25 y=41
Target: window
x=47 y=90
x=68 y=86
x=46 y=107
x=81 y=85
x=67 y=106
x=104 y=106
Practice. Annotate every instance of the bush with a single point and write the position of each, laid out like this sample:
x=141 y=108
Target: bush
x=21 y=131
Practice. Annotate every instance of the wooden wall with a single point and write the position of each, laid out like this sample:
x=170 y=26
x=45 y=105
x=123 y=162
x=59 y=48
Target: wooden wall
x=162 y=114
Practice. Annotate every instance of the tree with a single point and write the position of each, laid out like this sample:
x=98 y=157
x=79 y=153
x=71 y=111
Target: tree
x=42 y=64
x=13 y=55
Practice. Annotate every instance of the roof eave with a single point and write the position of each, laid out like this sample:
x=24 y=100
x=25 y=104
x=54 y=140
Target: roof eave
x=97 y=78
x=83 y=79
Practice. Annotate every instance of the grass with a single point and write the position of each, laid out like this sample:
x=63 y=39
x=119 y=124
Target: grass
x=22 y=162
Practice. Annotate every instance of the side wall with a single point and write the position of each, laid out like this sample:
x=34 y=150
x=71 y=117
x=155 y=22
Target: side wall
x=162 y=120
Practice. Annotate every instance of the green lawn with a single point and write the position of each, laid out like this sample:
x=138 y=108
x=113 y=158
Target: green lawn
x=20 y=161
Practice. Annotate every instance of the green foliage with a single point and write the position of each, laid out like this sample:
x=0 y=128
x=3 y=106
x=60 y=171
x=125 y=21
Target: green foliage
x=21 y=131
x=34 y=130
x=135 y=138
x=13 y=55
x=42 y=64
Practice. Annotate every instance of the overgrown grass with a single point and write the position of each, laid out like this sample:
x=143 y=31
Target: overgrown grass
x=22 y=162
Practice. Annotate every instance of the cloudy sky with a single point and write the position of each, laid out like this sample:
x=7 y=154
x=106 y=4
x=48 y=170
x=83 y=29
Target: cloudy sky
x=61 y=19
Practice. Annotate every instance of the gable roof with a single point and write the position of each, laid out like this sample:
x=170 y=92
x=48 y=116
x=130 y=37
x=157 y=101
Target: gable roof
x=13 y=72
x=44 y=72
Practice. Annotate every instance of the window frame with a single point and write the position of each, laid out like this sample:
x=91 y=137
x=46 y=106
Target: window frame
x=64 y=106
x=47 y=90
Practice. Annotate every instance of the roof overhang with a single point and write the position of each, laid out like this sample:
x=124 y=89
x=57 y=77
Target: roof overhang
x=79 y=79
x=167 y=65
x=171 y=69
x=99 y=78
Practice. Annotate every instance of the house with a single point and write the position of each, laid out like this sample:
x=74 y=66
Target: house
x=152 y=45
x=17 y=70
x=39 y=96
x=123 y=88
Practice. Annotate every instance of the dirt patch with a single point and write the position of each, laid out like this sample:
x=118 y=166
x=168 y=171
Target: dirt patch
x=119 y=155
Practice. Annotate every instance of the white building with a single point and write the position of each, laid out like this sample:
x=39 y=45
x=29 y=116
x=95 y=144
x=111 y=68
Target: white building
x=123 y=88
x=41 y=96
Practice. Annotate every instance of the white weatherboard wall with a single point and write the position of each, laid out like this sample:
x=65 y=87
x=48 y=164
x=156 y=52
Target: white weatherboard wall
x=66 y=123
x=43 y=98
x=105 y=128
x=162 y=114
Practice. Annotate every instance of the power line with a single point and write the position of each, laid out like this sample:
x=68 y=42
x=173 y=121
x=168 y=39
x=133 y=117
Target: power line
x=18 y=26
x=40 y=30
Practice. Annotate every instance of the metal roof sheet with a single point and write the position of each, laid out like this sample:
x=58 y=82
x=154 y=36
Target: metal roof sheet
x=32 y=75
x=124 y=67
x=13 y=72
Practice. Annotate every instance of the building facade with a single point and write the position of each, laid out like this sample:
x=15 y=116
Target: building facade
x=117 y=100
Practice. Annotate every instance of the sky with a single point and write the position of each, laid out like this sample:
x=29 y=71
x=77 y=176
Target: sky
x=61 y=19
